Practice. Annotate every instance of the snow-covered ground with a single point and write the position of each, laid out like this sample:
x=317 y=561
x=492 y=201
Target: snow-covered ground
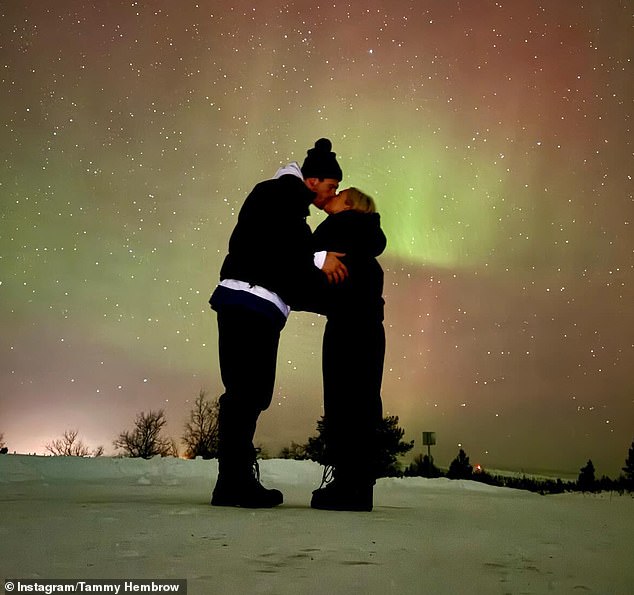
x=102 y=518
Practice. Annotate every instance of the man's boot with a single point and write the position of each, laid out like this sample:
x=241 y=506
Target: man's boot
x=239 y=485
x=238 y=481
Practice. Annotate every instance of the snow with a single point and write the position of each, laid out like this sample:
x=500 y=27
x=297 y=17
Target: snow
x=67 y=517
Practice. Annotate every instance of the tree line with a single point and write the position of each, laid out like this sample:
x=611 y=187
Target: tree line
x=200 y=437
x=587 y=481
x=147 y=439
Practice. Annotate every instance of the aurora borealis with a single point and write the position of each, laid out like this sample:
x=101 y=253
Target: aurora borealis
x=494 y=136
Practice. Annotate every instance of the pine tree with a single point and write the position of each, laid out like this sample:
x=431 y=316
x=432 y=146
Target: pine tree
x=389 y=446
x=423 y=466
x=629 y=465
x=586 y=481
x=460 y=467
x=315 y=448
x=295 y=451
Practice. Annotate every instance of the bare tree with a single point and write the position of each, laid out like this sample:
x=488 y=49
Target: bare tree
x=3 y=447
x=201 y=431
x=69 y=445
x=146 y=440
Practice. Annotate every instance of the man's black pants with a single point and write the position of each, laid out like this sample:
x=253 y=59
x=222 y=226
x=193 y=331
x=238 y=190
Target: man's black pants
x=247 y=343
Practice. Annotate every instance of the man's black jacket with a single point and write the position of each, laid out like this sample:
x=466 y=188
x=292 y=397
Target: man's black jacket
x=271 y=244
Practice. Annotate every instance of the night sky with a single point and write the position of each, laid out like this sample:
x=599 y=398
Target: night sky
x=495 y=138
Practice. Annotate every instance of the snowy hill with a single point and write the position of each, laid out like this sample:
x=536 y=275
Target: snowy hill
x=66 y=517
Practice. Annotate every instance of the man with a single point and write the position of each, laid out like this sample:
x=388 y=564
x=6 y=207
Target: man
x=269 y=270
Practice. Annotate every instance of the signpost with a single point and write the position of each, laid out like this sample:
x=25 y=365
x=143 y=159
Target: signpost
x=429 y=440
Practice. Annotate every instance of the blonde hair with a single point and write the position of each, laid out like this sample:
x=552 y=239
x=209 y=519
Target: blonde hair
x=358 y=201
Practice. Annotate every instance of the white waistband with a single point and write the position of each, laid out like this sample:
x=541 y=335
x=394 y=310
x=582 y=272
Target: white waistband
x=259 y=291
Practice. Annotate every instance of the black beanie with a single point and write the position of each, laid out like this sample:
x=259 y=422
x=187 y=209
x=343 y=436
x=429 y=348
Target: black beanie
x=321 y=162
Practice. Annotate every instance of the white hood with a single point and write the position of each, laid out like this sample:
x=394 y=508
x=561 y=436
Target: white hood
x=292 y=168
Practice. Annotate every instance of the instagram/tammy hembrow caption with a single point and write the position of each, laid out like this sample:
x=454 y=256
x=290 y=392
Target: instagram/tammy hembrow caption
x=116 y=586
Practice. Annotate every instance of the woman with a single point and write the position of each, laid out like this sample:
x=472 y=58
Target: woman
x=353 y=352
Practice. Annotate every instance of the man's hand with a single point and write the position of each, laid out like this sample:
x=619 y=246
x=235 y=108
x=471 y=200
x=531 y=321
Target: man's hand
x=335 y=270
